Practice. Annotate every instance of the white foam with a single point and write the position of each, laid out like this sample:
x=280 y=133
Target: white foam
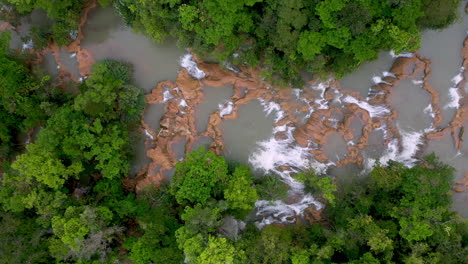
x=322 y=87
x=429 y=110
x=410 y=142
x=297 y=92
x=270 y=107
x=278 y=211
x=187 y=62
x=268 y=157
x=148 y=134
x=167 y=96
x=369 y=163
x=225 y=109
x=383 y=127
x=73 y=55
x=458 y=78
x=454 y=98
x=183 y=103
x=231 y=67
x=403 y=54
x=272 y=153
x=374 y=110
x=374 y=93
x=28 y=45
x=73 y=34
x=388 y=74
x=334 y=122
x=417 y=82
x=378 y=79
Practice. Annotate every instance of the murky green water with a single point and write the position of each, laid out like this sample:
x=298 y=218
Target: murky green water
x=411 y=100
x=202 y=142
x=360 y=80
x=140 y=160
x=443 y=48
x=242 y=134
x=335 y=148
x=179 y=148
x=50 y=65
x=212 y=97
x=69 y=62
x=153 y=114
x=108 y=37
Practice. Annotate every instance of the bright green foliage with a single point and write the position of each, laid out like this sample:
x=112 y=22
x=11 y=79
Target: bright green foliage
x=310 y=44
x=196 y=178
x=45 y=167
x=325 y=10
x=107 y=94
x=287 y=36
x=218 y=250
x=104 y=145
x=75 y=148
x=301 y=257
x=239 y=193
x=83 y=232
x=318 y=185
x=104 y=3
x=209 y=190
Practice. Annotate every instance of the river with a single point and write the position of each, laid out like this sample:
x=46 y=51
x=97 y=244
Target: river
x=390 y=108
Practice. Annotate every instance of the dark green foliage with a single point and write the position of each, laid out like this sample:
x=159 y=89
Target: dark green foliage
x=287 y=36
x=272 y=246
x=319 y=185
x=25 y=101
x=396 y=215
x=75 y=147
x=22 y=240
x=198 y=178
x=65 y=15
x=107 y=94
x=270 y=187
x=438 y=14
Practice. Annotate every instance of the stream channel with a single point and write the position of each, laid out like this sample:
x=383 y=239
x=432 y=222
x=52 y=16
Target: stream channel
x=339 y=127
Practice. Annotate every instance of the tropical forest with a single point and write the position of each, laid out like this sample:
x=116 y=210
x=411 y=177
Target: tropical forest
x=232 y=132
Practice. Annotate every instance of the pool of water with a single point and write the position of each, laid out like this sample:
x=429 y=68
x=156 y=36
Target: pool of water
x=242 y=134
x=335 y=148
x=410 y=100
x=360 y=80
x=443 y=48
x=152 y=115
x=212 y=97
x=106 y=36
x=70 y=63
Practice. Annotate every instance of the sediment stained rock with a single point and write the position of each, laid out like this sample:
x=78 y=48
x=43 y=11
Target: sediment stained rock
x=314 y=101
